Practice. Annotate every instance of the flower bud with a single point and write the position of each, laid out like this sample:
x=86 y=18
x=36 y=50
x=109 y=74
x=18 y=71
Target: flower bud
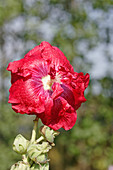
x=20 y=144
x=20 y=166
x=36 y=152
x=48 y=133
x=41 y=158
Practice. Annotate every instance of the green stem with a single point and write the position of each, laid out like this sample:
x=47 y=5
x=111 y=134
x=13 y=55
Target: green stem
x=33 y=136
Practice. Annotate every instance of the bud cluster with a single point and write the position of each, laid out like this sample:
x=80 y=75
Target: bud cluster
x=34 y=153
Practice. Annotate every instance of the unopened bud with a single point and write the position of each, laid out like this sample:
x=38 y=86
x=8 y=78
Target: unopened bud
x=20 y=144
x=36 y=152
x=48 y=133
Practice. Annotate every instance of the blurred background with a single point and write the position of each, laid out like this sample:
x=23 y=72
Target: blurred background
x=83 y=30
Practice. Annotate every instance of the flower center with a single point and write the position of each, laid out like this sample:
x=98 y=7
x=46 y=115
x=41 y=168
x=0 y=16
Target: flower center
x=47 y=82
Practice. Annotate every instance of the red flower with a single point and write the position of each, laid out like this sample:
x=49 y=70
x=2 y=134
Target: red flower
x=45 y=84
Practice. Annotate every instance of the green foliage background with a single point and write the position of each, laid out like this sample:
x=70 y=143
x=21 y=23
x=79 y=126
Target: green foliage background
x=68 y=25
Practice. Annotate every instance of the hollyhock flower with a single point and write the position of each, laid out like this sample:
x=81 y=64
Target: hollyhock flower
x=45 y=84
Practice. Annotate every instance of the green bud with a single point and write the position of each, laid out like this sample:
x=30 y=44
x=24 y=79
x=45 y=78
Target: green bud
x=44 y=147
x=33 y=151
x=20 y=166
x=41 y=158
x=20 y=144
x=36 y=152
x=48 y=133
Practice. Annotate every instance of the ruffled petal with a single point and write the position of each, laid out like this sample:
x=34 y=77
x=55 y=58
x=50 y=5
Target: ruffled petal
x=55 y=56
x=68 y=115
x=64 y=62
x=57 y=90
x=62 y=115
x=68 y=95
x=24 y=66
x=80 y=84
x=74 y=86
x=24 y=99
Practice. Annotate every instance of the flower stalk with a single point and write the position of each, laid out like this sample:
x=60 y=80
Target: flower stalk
x=33 y=136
